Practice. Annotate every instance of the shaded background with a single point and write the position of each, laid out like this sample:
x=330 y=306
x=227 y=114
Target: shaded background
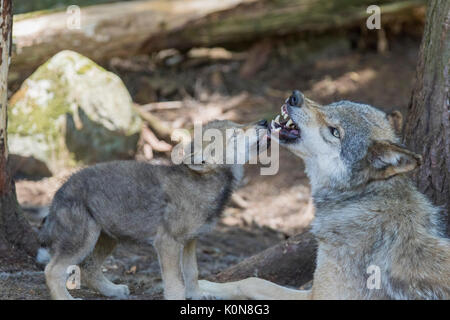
x=243 y=80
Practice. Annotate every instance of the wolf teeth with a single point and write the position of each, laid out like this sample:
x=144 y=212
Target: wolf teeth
x=277 y=119
x=289 y=123
x=284 y=113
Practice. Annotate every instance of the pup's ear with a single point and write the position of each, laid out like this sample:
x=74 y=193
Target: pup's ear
x=202 y=167
x=388 y=159
x=395 y=118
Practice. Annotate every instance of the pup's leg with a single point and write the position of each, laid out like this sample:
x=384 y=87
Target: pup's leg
x=56 y=276
x=169 y=254
x=74 y=234
x=252 y=288
x=190 y=271
x=92 y=269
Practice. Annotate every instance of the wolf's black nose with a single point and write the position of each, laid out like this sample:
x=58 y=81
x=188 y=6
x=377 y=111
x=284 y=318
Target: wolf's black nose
x=262 y=123
x=296 y=99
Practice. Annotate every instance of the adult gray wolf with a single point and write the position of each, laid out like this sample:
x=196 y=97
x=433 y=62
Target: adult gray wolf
x=378 y=237
x=169 y=206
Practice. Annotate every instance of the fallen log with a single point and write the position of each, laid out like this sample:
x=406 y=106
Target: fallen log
x=128 y=28
x=252 y=21
x=291 y=263
x=104 y=31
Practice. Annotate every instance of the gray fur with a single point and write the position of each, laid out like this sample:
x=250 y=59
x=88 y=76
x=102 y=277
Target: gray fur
x=373 y=214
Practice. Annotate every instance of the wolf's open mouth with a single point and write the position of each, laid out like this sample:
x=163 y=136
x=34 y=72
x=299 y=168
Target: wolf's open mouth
x=286 y=128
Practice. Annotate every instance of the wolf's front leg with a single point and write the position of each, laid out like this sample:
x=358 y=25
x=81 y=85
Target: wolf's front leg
x=252 y=288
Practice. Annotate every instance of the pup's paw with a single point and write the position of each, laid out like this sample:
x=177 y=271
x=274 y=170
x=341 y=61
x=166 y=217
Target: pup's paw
x=119 y=291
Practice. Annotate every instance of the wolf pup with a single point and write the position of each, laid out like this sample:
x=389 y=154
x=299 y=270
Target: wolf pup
x=169 y=206
x=378 y=237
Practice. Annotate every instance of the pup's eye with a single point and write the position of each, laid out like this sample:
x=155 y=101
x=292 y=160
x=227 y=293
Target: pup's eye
x=335 y=132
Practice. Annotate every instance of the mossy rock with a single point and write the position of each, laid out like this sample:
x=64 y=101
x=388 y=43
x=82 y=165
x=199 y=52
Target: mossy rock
x=71 y=111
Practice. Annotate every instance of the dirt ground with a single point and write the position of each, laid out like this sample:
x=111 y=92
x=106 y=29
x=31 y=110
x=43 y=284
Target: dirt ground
x=274 y=207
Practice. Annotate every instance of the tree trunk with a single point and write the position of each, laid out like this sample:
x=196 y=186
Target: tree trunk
x=291 y=262
x=427 y=130
x=126 y=29
x=17 y=240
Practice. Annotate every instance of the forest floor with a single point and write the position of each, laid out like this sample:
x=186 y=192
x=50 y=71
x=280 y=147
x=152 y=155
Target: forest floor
x=276 y=206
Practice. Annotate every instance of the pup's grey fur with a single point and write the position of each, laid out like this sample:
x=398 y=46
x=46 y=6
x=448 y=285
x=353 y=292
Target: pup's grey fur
x=368 y=213
x=169 y=206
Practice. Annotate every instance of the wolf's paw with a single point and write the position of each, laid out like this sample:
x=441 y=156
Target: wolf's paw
x=210 y=290
x=200 y=295
x=208 y=296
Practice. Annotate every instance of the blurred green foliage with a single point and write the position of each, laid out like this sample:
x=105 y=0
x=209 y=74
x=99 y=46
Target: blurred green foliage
x=24 y=6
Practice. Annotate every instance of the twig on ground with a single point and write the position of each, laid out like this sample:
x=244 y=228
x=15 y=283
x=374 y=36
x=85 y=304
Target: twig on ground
x=156 y=144
x=161 y=129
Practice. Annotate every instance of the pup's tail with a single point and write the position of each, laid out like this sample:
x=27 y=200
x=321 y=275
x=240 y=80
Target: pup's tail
x=43 y=254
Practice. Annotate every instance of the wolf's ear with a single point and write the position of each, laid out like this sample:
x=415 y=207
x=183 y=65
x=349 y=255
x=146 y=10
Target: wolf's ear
x=388 y=159
x=395 y=118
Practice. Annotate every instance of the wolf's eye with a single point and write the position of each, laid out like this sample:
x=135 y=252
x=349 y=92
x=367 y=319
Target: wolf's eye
x=335 y=132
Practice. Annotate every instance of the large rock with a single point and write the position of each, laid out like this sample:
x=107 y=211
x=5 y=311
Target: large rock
x=71 y=111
